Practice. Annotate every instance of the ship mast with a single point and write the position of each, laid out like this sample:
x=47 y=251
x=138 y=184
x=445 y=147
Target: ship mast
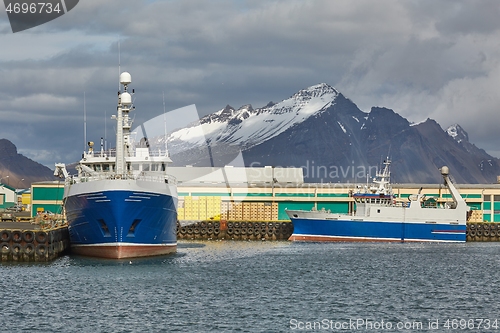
x=123 y=123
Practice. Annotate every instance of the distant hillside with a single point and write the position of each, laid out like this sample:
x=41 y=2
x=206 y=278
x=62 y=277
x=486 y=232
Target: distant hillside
x=17 y=170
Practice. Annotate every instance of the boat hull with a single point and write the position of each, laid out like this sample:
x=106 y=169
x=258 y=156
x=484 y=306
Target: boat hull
x=123 y=250
x=121 y=219
x=316 y=230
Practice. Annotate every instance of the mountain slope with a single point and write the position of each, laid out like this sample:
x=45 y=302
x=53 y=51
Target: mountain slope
x=17 y=170
x=333 y=140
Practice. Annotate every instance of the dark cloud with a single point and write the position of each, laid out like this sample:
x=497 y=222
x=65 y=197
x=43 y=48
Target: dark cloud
x=436 y=59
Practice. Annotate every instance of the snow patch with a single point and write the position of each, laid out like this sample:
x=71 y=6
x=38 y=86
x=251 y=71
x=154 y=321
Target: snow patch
x=249 y=127
x=341 y=126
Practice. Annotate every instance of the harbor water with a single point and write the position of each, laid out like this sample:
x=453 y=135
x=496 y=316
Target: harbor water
x=243 y=286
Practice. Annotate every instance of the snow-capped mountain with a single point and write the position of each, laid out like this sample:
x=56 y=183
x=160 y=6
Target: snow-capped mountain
x=248 y=127
x=457 y=133
x=327 y=135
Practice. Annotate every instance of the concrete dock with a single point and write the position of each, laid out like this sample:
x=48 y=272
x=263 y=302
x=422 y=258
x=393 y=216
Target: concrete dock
x=27 y=242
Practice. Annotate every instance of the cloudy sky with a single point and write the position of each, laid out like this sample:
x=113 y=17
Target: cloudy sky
x=423 y=59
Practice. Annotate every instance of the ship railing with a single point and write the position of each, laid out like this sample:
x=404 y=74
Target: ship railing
x=112 y=153
x=108 y=176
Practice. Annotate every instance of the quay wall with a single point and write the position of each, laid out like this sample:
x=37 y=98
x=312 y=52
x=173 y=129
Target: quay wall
x=234 y=230
x=33 y=245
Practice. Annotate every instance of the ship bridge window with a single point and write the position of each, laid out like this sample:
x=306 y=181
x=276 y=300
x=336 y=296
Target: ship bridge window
x=105 y=167
x=145 y=167
x=135 y=166
x=163 y=167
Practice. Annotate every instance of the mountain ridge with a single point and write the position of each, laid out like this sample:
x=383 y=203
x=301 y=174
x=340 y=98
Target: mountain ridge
x=17 y=170
x=318 y=128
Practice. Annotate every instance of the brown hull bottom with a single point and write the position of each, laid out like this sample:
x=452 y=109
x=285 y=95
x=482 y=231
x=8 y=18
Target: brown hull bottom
x=122 y=251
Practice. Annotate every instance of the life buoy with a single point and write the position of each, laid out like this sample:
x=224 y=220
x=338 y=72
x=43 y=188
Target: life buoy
x=183 y=230
x=41 y=237
x=5 y=236
x=28 y=236
x=41 y=249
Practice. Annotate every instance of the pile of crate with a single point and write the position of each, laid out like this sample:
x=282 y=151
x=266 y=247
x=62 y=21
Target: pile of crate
x=475 y=216
x=213 y=208
x=199 y=208
x=250 y=211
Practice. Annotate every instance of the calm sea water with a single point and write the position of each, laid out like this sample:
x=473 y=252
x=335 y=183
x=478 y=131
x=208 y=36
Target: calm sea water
x=261 y=287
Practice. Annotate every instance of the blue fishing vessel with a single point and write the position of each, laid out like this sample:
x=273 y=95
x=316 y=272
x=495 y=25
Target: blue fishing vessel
x=122 y=203
x=380 y=217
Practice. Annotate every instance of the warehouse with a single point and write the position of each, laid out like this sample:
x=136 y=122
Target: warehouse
x=263 y=194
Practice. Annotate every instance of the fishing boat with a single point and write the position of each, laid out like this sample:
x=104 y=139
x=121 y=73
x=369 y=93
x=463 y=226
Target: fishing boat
x=121 y=203
x=380 y=217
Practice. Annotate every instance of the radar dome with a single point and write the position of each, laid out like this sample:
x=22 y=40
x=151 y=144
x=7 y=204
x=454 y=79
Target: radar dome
x=445 y=170
x=126 y=98
x=125 y=78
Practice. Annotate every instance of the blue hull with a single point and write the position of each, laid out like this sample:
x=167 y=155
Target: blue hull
x=118 y=218
x=347 y=230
